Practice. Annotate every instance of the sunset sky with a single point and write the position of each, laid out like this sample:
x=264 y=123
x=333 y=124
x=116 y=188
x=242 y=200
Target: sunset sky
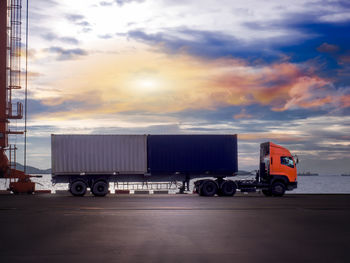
x=267 y=70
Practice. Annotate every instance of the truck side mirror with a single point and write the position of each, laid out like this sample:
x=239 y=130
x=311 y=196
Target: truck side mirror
x=296 y=158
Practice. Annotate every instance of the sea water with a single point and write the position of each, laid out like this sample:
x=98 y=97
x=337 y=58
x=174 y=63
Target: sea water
x=322 y=184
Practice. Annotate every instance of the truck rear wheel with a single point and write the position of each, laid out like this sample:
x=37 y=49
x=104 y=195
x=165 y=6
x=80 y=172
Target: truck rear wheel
x=100 y=188
x=278 y=189
x=228 y=188
x=208 y=188
x=78 y=188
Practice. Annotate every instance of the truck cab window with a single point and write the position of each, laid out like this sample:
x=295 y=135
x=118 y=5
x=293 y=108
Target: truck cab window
x=288 y=161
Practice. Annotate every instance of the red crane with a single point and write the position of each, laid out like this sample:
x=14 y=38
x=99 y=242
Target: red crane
x=10 y=80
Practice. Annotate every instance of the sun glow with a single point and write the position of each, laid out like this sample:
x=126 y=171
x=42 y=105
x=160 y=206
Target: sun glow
x=146 y=80
x=146 y=85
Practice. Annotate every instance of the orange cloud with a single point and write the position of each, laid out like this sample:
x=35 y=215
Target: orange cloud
x=243 y=115
x=344 y=59
x=328 y=48
x=270 y=136
x=282 y=86
x=345 y=101
x=306 y=92
x=33 y=74
x=148 y=81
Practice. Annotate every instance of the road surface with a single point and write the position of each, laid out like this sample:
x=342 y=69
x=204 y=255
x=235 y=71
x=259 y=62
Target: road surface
x=175 y=228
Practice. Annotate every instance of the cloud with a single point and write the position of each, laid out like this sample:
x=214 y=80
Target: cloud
x=80 y=21
x=53 y=37
x=243 y=115
x=252 y=28
x=336 y=17
x=69 y=40
x=344 y=59
x=33 y=74
x=211 y=44
x=153 y=82
x=105 y=3
x=74 y=17
x=67 y=54
x=282 y=86
x=323 y=139
x=202 y=43
x=262 y=69
x=106 y=36
x=123 y=2
x=119 y=2
x=279 y=136
x=345 y=101
x=328 y=48
x=308 y=92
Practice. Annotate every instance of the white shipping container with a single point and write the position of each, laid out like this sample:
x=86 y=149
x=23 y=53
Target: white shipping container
x=98 y=154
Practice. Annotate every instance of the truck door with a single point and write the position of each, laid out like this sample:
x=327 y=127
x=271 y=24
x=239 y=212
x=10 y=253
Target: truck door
x=284 y=165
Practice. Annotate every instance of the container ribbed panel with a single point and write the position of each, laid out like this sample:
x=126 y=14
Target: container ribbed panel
x=105 y=154
x=192 y=154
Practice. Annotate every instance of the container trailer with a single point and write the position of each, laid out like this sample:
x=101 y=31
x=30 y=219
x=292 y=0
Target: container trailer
x=92 y=161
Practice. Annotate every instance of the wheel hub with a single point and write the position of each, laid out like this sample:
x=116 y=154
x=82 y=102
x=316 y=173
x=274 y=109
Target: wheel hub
x=278 y=189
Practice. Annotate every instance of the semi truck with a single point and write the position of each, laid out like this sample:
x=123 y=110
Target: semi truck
x=93 y=161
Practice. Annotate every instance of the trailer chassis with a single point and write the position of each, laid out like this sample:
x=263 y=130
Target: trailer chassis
x=220 y=185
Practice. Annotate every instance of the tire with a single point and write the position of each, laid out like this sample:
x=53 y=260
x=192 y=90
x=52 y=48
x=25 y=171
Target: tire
x=267 y=192
x=208 y=188
x=100 y=188
x=78 y=188
x=278 y=189
x=228 y=188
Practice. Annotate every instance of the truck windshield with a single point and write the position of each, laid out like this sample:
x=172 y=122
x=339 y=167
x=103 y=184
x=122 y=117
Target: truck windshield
x=288 y=161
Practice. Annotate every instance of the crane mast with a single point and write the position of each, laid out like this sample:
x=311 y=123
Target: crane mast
x=10 y=80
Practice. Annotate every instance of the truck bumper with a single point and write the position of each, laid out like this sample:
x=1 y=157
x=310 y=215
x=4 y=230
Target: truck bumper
x=292 y=185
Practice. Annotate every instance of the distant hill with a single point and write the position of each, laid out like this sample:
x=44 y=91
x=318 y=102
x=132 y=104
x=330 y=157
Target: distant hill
x=32 y=170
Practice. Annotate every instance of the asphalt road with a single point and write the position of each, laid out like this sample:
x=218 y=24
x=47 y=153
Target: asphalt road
x=295 y=228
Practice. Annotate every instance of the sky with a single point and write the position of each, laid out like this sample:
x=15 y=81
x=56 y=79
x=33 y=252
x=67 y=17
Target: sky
x=266 y=70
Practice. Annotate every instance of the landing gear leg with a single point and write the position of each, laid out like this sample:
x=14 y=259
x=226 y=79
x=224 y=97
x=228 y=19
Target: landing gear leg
x=183 y=187
x=188 y=182
x=185 y=184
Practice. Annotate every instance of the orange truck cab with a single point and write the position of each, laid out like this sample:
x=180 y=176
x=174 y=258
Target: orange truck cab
x=278 y=170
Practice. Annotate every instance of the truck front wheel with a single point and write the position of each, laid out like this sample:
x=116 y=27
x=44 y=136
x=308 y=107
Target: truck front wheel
x=78 y=188
x=208 y=188
x=100 y=188
x=278 y=189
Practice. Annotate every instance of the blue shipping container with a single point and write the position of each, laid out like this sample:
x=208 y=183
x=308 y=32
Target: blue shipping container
x=192 y=154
